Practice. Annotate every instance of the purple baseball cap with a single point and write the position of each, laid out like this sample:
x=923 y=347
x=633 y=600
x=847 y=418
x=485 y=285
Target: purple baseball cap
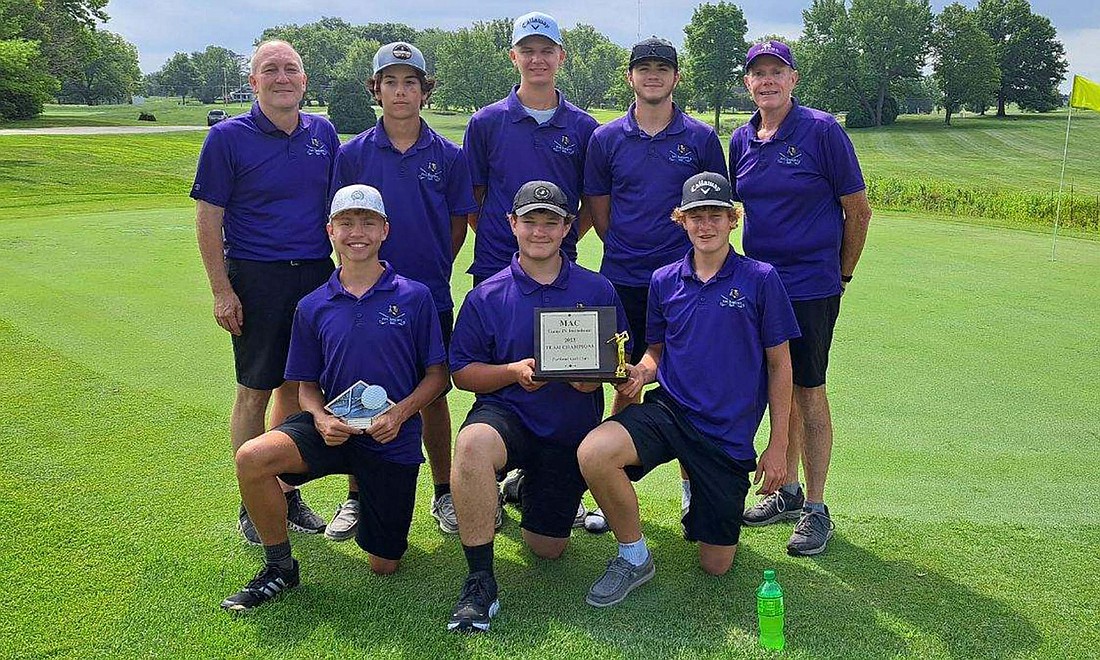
x=773 y=48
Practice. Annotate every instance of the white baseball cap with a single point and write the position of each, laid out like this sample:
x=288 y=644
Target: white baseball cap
x=537 y=24
x=357 y=196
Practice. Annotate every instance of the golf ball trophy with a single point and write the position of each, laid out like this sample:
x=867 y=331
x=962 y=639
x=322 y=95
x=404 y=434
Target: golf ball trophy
x=358 y=405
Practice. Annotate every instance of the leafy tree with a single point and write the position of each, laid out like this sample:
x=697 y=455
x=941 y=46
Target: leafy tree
x=385 y=33
x=428 y=41
x=323 y=45
x=716 y=47
x=219 y=71
x=109 y=74
x=1032 y=61
x=350 y=107
x=24 y=85
x=358 y=63
x=179 y=76
x=473 y=65
x=963 y=60
x=594 y=62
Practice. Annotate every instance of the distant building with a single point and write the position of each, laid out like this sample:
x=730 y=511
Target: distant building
x=243 y=94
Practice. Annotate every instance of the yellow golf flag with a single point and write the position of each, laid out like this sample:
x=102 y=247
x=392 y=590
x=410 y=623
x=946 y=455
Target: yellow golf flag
x=1086 y=94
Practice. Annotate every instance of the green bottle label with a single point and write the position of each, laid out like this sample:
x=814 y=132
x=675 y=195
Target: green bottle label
x=769 y=606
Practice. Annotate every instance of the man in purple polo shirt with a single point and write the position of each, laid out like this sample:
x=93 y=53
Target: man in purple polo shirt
x=427 y=181
x=517 y=421
x=806 y=213
x=261 y=190
x=532 y=134
x=718 y=329
x=369 y=324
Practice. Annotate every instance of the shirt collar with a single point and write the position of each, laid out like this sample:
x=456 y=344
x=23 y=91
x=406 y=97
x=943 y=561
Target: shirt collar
x=527 y=285
x=687 y=268
x=382 y=140
x=517 y=113
x=387 y=282
x=677 y=125
x=786 y=127
x=266 y=125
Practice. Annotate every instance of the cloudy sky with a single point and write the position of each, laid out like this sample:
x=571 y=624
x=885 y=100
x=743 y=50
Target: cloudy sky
x=161 y=27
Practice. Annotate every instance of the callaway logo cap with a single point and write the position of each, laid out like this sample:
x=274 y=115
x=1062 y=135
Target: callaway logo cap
x=706 y=189
x=536 y=23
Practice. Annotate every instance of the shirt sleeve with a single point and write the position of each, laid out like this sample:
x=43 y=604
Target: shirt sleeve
x=841 y=164
x=343 y=170
x=305 y=358
x=597 y=170
x=735 y=156
x=214 y=176
x=714 y=159
x=460 y=187
x=587 y=129
x=471 y=341
x=655 y=324
x=476 y=150
x=778 y=322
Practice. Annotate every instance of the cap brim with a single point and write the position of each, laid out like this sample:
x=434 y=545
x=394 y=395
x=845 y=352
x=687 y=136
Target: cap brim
x=705 y=202
x=546 y=206
x=652 y=58
x=359 y=208
x=406 y=63
x=538 y=34
x=782 y=59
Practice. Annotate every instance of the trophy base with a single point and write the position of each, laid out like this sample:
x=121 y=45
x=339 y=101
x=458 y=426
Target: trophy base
x=579 y=378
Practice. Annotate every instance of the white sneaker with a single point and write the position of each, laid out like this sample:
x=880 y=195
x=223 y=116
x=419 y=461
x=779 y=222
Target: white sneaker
x=578 y=520
x=595 y=522
x=344 y=522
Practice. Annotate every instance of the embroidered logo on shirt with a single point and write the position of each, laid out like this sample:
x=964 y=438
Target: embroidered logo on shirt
x=316 y=148
x=563 y=145
x=734 y=299
x=790 y=156
x=392 y=316
x=430 y=172
x=681 y=154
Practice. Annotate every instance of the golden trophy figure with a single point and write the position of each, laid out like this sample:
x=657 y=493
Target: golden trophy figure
x=620 y=339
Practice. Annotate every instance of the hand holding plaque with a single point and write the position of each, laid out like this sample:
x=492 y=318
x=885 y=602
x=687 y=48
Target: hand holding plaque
x=358 y=405
x=580 y=344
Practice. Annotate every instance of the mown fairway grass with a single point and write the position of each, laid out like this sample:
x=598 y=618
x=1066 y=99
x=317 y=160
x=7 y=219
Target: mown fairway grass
x=963 y=485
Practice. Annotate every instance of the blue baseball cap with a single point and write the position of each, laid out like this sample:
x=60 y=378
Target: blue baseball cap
x=400 y=52
x=774 y=48
x=536 y=23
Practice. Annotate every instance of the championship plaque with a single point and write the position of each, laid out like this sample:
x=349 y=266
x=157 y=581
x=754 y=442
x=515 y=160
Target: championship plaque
x=580 y=344
x=358 y=405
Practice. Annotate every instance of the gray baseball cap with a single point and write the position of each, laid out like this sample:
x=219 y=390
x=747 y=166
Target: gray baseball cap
x=400 y=52
x=357 y=196
x=706 y=189
x=535 y=195
x=538 y=24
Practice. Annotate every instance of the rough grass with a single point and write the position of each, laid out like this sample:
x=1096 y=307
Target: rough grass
x=964 y=392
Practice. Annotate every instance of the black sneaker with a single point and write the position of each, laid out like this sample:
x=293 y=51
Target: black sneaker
x=811 y=533
x=777 y=507
x=300 y=517
x=510 y=486
x=267 y=585
x=477 y=604
x=247 y=529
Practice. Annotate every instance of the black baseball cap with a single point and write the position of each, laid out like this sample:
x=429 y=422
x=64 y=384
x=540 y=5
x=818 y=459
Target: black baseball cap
x=535 y=195
x=654 y=48
x=706 y=189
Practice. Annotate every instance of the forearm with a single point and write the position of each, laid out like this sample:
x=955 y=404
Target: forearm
x=648 y=363
x=458 y=231
x=208 y=229
x=479 y=197
x=780 y=390
x=427 y=390
x=584 y=220
x=311 y=399
x=599 y=209
x=857 y=218
x=481 y=378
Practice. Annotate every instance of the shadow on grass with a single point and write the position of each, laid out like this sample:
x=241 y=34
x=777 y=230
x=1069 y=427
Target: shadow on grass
x=848 y=603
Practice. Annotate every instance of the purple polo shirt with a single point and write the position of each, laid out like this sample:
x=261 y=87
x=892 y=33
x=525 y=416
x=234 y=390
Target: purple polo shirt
x=714 y=336
x=388 y=337
x=645 y=176
x=506 y=148
x=422 y=189
x=273 y=186
x=791 y=187
x=496 y=326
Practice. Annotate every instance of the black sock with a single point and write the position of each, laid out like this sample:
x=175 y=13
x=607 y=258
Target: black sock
x=279 y=555
x=479 y=557
x=353 y=495
x=442 y=489
x=291 y=494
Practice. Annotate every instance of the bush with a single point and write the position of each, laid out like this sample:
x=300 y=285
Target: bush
x=24 y=85
x=350 y=108
x=858 y=118
x=147 y=116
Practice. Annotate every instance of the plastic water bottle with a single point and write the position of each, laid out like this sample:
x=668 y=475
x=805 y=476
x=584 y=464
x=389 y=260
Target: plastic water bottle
x=769 y=611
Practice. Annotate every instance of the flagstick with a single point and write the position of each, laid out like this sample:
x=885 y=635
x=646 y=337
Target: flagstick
x=1061 y=180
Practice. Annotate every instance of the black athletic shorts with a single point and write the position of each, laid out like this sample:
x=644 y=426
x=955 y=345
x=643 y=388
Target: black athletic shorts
x=719 y=483
x=552 y=485
x=635 y=299
x=269 y=291
x=387 y=491
x=810 y=352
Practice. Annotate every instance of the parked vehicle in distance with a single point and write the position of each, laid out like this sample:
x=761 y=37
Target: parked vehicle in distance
x=214 y=116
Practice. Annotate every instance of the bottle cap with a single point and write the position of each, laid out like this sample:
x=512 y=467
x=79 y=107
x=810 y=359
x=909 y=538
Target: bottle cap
x=769 y=575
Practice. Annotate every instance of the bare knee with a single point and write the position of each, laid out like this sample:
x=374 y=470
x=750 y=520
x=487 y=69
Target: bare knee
x=380 y=566
x=603 y=448
x=475 y=447
x=251 y=459
x=545 y=547
x=716 y=560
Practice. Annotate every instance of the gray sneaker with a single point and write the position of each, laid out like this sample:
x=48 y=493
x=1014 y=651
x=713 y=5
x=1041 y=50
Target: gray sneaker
x=301 y=518
x=443 y=510
x=247 y=529
x=344 y=522
x=620 y=578
x=777 y=507
x=811 y=534
x=500 y=513
x=578 y=520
